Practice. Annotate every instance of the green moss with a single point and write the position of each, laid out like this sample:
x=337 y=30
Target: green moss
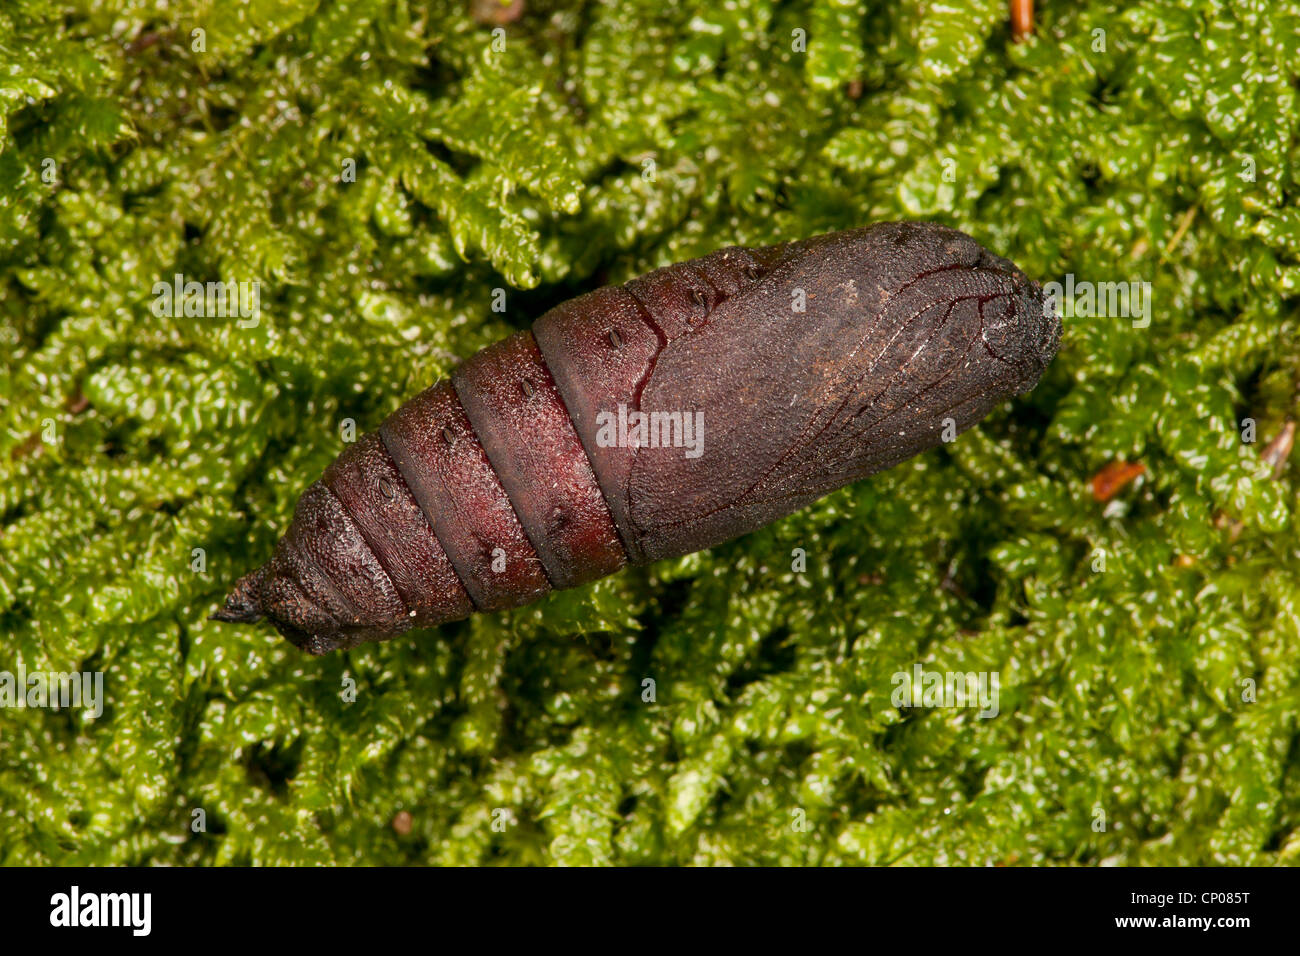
x=1135 y=141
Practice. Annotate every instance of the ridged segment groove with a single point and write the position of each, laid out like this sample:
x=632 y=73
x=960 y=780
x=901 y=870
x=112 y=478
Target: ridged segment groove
x=438 y=455
x=374 y=550
x=404 y=474
x=515 y=409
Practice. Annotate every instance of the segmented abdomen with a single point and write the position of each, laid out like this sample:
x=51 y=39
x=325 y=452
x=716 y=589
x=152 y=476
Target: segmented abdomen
x=476 y=495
